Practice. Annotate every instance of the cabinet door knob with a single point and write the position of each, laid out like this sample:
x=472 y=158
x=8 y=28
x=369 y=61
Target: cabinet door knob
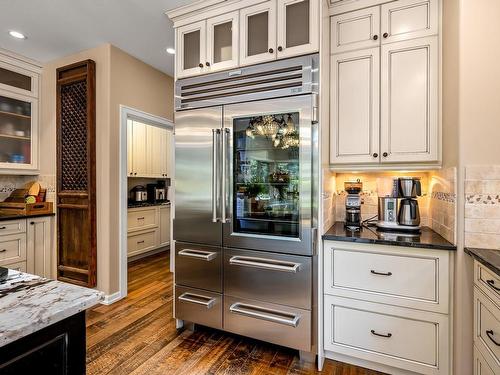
x=375 y=155
x=280 y=48
x=200 y=65
x=385 y=35
x=271 y=50
x=32 y=223
x=385 y=154
x=135 y=173
x=375 y=37
x=207 y=63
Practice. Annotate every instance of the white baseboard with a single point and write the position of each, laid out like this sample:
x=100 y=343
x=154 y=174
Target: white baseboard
x=111 y=298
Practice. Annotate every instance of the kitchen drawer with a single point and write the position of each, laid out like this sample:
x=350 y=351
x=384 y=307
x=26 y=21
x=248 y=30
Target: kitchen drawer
x=487 y=281
x=404 y=338
x=198 y=266
x=277 y=324
x=276 y=278
x=18 y=266
x=487 y=328
x=398 y=276
x=481 y=367
x=12 y=227
x=198 y=306
x=12 y=248
x=142 y=218
x=141 y=242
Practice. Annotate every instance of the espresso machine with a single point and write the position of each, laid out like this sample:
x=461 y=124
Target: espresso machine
x=399 y=211
x=353 y=205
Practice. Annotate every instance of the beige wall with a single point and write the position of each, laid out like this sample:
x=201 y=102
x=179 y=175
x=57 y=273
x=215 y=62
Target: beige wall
x=120 y=79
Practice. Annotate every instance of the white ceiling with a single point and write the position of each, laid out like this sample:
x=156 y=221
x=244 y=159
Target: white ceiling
x=57 y=28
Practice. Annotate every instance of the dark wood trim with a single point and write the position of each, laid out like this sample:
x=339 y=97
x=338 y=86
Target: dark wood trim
x=73 y=265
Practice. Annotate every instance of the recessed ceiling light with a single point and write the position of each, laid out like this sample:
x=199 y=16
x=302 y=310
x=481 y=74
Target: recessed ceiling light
x=171 y=50
x=17 y=34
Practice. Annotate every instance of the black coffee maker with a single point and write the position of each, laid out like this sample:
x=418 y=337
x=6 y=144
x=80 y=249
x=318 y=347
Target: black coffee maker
x=409 y=189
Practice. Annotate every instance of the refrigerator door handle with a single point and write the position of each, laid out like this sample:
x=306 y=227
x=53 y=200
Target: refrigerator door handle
x=225 y=160
x=215 y=174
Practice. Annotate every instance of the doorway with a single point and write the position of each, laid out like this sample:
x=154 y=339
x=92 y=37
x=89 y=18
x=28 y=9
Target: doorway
x=146 y=199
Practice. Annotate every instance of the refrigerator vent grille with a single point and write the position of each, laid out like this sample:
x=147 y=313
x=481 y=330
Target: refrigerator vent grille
x=271 y=80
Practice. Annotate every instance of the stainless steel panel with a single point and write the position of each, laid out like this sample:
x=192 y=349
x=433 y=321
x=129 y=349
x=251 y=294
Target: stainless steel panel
x=195 y=176
x=303 y=243
x=198 y=306
x=263 y=276
x=295 y=76
x=198 y=266
x=278 y=324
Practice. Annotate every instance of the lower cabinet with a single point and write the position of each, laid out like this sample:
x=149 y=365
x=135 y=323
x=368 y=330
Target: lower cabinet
x=388 y=307
x=26 y=245
x=148 y=229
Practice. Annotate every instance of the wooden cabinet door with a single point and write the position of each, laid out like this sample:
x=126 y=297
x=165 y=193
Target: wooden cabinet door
x=222 y=41
x=130 y=148
x=258 y=33
x=139 y=149
x=409 y=19
x=164 y=226
x=156 y=151
x=298 y=27
x=191 y=49
x=39 y=246
x=170 y=152
x=409 y=101
x=354 y=109
x=355 y=30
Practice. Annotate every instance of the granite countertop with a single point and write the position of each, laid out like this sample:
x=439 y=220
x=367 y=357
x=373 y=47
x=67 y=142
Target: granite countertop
x=29 y=303
x=10 y=216
x=147 y=204
x=489 y=257
x=426 y=239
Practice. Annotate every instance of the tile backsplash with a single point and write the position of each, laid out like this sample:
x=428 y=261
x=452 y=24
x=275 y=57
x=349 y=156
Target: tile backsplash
x=482 y=206
x=9 y=183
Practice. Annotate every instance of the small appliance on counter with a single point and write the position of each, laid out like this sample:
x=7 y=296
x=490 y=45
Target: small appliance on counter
x=353 y=205
x=138 y=194
x=400 y=211
x=157 y=193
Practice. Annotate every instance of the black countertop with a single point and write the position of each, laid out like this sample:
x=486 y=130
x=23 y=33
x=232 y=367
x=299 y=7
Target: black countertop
x=10 y=216
x=147 y=204
x=426 y=239
x=489 y=257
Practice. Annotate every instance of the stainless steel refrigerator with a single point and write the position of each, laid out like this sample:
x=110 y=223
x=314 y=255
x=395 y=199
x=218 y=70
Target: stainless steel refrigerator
x=245 y=207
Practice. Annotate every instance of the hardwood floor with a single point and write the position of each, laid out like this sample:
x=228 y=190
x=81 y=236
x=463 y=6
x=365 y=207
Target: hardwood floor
x=137 y=335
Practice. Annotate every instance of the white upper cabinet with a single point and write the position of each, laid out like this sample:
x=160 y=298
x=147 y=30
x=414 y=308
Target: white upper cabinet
x=298 y=27
x=409 y=101
x=258 y=33
x=355 y=30
x=354 y=136
x=409 y=19
x=191 y=49
x=157 y=151
x=222 y=41
x=138 y=160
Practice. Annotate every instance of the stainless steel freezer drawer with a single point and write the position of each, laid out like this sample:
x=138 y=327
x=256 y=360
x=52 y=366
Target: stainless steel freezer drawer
x=277 y=324
x=198 y=266
x=198 y=306
x=263 y=276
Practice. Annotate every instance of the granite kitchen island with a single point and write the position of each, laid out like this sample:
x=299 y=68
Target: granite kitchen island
x=42 y=325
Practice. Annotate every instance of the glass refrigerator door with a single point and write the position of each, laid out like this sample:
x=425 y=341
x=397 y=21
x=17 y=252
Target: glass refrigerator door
x=269 y=171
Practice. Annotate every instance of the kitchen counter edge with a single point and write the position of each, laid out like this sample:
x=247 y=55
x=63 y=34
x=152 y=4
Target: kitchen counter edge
x=488 y=257
x=24 y=216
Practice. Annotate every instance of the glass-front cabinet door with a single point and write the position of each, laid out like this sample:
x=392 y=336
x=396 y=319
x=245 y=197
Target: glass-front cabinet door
x=298 y=32
x=191 y=49
x=258 y=33
x=222 y=41
x=18 y=131
x=268 y=175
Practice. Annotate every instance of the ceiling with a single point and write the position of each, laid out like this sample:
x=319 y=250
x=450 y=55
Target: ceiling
x=56 y=28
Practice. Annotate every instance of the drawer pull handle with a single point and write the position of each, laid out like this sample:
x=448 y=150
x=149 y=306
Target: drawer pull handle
x=197 y=299
x=140 y=218
x=262 y=313
x=381 y=273
x=380 y=334
x=3 y=227
x=138 y=242
x=490 y=336
x=199 y=254
x=3 y=250
x=492 y=284
x=266 y=264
